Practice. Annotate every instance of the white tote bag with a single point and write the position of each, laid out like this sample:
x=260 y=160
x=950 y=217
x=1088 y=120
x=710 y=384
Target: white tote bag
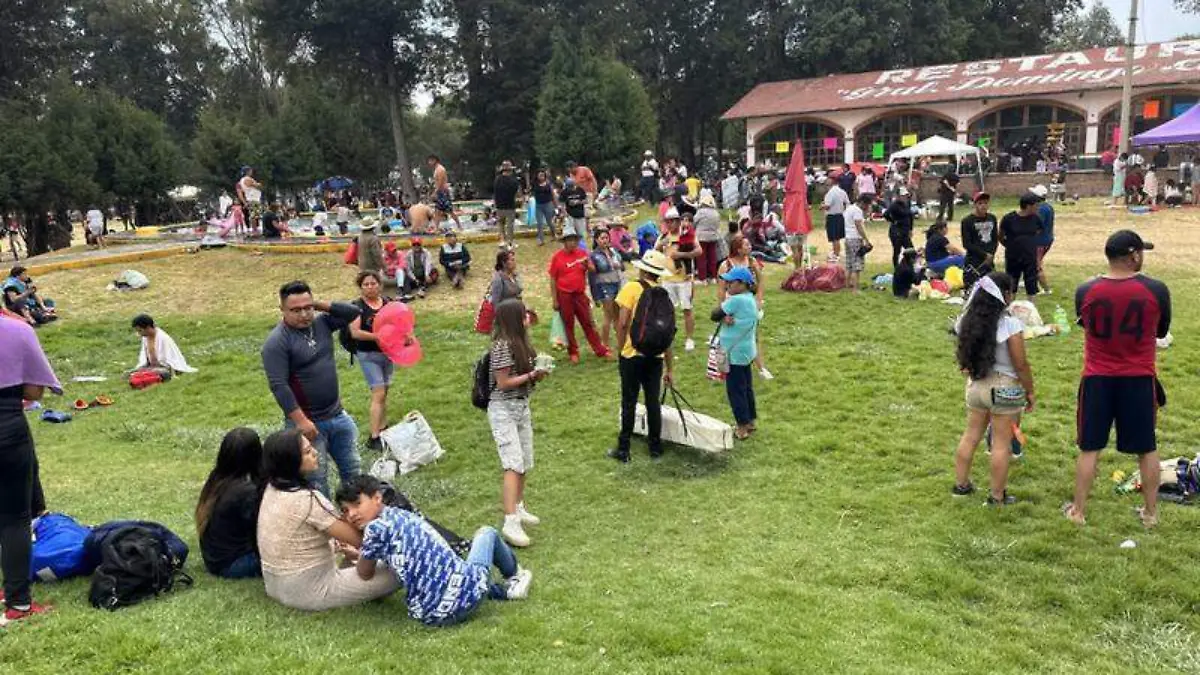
x=688 y=427
x=411 y=443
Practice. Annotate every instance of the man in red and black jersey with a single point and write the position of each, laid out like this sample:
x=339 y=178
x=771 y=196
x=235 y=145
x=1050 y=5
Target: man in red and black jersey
x=1122 y=313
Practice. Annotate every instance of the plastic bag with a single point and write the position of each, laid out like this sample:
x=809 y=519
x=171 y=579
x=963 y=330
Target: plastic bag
x=384 y=468
x=411 y=443
x=558 y=332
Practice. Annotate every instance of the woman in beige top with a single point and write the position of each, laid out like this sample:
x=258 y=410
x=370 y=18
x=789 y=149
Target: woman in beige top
x=296 y=525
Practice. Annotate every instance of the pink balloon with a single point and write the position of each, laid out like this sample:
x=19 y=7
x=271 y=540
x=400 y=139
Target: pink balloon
x=404 y=355
x=397 y=315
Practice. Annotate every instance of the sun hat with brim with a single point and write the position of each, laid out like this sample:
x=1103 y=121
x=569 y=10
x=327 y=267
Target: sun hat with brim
x=653 y=262
x=1124 y=242
x=741 y=274
x=368 y=224
x=708 y=201
x=671 y=214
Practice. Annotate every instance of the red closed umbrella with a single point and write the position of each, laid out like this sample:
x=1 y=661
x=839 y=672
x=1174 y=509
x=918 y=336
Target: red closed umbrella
x=796 y=216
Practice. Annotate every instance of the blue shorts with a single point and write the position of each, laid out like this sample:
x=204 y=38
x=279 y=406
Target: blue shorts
x=377 y=369
x=605 y=292
x=442 y=202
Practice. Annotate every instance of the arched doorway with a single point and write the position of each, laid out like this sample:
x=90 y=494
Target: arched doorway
x=890 y=131
x=1166 y=107
x=811 y=134
x=1023 y=128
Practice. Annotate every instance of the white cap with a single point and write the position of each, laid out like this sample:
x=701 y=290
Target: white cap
x=671 y=214
x=1039 y=190
x=649 y=153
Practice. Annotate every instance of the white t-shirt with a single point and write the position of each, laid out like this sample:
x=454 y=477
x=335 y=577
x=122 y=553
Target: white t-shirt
x=854 y=216
x=253 y=194
x=1009 y=326
x=95 y=221
x=343 y=214
x=649 y=167
x=836 y=200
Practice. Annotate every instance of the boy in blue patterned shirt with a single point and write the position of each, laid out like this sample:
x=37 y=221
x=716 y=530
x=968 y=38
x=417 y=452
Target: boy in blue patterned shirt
x=441 y=588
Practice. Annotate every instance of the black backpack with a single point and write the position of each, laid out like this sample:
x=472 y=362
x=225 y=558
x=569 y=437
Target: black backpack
x=653 y=328
x=135 y=563
x=345 y=339
x=396 y=498
x=481 y=390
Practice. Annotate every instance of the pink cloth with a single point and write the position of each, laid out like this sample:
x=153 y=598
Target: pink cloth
x=22 y=360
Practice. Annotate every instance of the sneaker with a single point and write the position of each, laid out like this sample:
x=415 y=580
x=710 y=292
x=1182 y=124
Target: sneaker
x=1008 y=500
x=12 y=614
x=622 y=457
x=766 y=374
x=526 y=517
x=689 y=345
x=513 y=533
x=421 y=293
x=517 y=586
x=374 y=443
x=963 y=490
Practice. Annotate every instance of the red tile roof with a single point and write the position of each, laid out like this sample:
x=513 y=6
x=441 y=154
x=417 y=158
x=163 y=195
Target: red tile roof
x=1103 y=68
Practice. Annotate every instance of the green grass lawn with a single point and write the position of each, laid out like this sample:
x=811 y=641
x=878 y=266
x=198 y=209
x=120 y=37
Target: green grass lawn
x=827 y=543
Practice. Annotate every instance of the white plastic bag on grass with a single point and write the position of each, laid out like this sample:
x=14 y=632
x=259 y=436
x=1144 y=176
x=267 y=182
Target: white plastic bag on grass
x=411 y=443
x=384 y=469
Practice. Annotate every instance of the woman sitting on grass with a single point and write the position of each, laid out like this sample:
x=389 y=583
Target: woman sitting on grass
x=227 y=513
x=940 y=254
x=991 y=352
x=296 y=525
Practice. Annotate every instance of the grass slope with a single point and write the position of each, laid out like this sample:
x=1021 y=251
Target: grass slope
x=828 y=543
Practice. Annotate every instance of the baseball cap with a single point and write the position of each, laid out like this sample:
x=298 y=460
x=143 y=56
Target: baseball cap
x=741 y=274
x=903 y=192
x=671 y=214
x=1040 y=191
x=1124 y=242
x=1029 y=199
x=415 y=241
x=981 y=196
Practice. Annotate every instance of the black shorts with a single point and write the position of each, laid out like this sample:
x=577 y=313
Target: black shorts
x=835 y=226
x=1131 y=402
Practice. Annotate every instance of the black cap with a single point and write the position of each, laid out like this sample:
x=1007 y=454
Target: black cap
x=1123 y=242
x=1029 y=199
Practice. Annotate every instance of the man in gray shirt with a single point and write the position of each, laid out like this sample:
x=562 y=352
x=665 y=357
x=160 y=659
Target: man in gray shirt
x=298 y=359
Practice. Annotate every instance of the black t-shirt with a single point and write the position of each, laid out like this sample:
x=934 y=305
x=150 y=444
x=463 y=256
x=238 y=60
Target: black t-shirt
x=1161 y=159
x=979 y=238
x=937 y=248
x=269 y=219
x=951 y=178
x=232 y=526
x=504 y=192
x=543 y=193
x=367 y=324
x=575 y=199
x=903 y=280
x=1020 y=232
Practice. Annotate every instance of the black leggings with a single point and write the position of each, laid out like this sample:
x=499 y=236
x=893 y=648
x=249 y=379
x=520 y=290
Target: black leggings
x=900 y=241
x=20 y=499
x=946 y=206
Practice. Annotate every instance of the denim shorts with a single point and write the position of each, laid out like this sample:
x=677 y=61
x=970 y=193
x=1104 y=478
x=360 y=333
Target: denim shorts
x=603 y=292
x=377 y=369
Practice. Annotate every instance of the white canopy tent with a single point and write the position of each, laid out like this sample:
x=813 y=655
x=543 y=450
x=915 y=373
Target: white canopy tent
x=938 y=146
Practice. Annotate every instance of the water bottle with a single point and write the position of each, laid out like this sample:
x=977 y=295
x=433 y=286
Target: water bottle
x=1060 y=319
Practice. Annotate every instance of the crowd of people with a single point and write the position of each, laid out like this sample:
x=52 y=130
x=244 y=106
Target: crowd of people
x=269 y=510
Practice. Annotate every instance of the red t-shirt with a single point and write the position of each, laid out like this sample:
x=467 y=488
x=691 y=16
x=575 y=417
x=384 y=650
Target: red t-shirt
x=569 y=270
x=1121 y=319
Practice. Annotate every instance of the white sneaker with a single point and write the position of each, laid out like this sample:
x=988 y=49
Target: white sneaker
x=526 y=517
x=517 y=587
x=513 y=533
x=690 y=345
x=766 y=374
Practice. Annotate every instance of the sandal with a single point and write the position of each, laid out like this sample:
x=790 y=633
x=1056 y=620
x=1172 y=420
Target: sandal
x=741 y=434
x=1148 y=522
x=1069 y=512
x=102 y=400
x=80 y=404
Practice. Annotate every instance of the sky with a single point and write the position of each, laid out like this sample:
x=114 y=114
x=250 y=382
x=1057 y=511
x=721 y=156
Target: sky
x=1158 y=20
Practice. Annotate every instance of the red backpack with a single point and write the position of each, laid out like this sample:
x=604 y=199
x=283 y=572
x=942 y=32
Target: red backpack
x=144 y=378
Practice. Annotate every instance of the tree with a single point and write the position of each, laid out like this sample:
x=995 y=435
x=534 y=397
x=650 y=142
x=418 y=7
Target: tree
x=1192 y=6
x=32 y=45
x=592 y=110
x=388 y=38
x=1094 y=27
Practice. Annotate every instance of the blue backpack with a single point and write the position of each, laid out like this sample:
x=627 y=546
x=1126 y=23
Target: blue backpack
x=92 y=546
x=58 y=548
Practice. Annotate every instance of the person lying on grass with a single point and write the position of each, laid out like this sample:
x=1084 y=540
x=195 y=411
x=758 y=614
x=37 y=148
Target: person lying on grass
x=442 y=589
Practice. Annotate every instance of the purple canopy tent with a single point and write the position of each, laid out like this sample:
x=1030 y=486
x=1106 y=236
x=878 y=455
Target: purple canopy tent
x=1182 y=129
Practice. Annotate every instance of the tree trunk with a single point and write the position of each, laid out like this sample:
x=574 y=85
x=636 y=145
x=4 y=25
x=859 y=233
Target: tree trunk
x=402 y=165
x=720 y=144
